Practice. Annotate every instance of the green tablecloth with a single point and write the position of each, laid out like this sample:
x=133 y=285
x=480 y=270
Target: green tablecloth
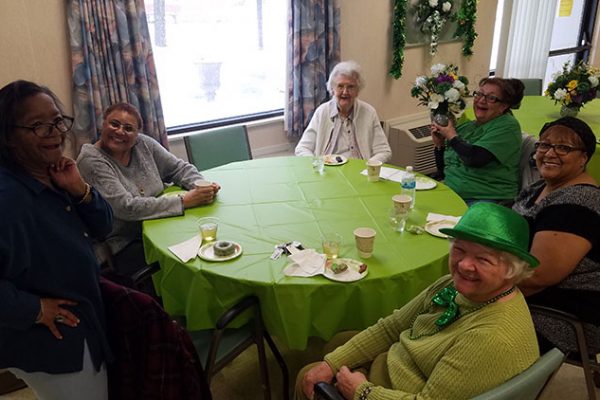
x=535 y=111
x=269 y=201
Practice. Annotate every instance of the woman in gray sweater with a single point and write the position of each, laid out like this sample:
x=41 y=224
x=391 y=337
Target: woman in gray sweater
x=130 y=170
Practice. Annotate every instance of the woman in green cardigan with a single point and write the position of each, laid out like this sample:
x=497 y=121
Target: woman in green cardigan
x=467 y=333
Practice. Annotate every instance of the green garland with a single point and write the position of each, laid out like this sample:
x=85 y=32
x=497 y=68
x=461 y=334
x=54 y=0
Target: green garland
x=399 y=38
x=466 y=17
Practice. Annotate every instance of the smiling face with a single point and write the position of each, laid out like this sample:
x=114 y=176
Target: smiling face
x=557 y=169
x=35 y=153
x=119 y=133
x=484 y=108
x=345 y=91
x=479 y=272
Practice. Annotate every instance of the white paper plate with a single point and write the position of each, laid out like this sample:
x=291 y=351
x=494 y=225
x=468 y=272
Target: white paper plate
x=331 y=159
x=349 y=275
x=173 y=193
x=433 y=228
x=207 y=252
x=425 y=183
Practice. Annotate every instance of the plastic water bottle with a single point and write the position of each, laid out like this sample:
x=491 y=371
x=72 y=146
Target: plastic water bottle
x=409 y=184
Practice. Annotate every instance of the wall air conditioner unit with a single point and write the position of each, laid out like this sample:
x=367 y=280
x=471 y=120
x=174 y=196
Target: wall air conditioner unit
x=410 y=140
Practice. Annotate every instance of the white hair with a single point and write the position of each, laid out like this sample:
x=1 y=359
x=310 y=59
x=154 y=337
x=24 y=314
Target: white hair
x=346 y=68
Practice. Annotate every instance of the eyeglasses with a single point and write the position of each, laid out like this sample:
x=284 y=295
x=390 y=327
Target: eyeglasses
x=127 y=128
x=62 y=124
x=490 y=98
x=349 y=88
x=559 y=149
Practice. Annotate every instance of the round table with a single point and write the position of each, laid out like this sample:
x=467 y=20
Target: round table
x=269 y=201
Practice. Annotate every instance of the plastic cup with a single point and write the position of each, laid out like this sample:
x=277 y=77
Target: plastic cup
x=365 y=239
x=331 y=245
x=397 y=219
x=373 y=170
x=318 y=164
x=402 y=203
x=208 y=228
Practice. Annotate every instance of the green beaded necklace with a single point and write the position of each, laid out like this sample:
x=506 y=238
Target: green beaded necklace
x=446 y=298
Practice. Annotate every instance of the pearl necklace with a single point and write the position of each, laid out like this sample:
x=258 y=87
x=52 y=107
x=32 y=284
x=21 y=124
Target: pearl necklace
x=445 y=298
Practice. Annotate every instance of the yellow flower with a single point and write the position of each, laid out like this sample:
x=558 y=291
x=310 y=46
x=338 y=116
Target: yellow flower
x=572 y=84
x=567 y=99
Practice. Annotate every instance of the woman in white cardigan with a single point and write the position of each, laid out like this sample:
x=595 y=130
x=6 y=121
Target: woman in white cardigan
x=345 y=125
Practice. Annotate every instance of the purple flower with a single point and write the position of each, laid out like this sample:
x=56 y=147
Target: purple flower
x=444 y=78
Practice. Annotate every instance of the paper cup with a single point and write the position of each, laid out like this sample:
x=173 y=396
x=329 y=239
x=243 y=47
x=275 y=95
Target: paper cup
x=373 y=170
x=401 y=203
x=201 y=183
x=365 y=238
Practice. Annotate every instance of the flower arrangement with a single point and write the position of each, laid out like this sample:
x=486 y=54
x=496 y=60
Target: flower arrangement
x=574 y=86
x=433 y=15
x=443 y=92
x=465 y=17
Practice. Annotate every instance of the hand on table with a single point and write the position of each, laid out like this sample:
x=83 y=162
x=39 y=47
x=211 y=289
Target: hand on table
x=65 y=175
x=201 y=195
x=319 y=373
x=52 y=313
x=348 y=381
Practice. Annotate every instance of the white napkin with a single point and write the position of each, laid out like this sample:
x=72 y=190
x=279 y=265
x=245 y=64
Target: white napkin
x=433 y=217
x=391 y=174
x=187 y=250
x=305 y=263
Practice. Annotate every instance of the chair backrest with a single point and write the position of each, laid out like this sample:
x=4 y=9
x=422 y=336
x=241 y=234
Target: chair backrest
x=528 y=384
x=218 y=147
x=533 y=87
x=527 y=167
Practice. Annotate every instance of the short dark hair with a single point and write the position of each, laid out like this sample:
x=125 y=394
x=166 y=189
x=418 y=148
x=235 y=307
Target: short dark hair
x=512 y=90
x=12 y=97
x=126 y=107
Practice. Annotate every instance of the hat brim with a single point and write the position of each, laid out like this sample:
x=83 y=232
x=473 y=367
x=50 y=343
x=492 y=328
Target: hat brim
x=492 y=242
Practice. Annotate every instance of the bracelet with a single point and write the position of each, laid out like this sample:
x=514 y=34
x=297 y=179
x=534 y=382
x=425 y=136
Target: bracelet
x=86 y=196
x=364 y=393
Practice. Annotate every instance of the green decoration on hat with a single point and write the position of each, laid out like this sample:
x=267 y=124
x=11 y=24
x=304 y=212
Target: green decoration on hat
x=497 y=227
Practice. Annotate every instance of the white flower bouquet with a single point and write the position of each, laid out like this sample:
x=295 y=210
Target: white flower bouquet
x=574 y=86
x=443 y=92
x=432 y=15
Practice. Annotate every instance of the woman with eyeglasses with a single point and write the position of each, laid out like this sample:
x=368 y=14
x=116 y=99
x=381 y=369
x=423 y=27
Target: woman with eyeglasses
x=130 y=170
x=479 y=159
x=52 y=323
x=563 y=211
x=345 y=125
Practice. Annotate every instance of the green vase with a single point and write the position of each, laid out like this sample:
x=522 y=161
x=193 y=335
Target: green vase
x=566 y=111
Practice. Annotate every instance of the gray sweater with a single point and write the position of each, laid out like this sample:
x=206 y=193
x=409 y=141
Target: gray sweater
x=131 y=190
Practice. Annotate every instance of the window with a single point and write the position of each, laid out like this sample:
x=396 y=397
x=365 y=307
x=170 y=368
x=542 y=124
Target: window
x=218 y=60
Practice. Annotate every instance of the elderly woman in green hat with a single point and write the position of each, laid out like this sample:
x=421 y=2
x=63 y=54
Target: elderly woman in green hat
x=468 y=332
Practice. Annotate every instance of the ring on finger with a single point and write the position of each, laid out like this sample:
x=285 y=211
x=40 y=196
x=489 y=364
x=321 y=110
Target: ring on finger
x=59 y=318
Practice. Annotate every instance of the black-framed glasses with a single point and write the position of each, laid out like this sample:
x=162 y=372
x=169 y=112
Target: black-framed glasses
x=62 y=124
x=490 y=98
x=127 y=128
x=559 y=149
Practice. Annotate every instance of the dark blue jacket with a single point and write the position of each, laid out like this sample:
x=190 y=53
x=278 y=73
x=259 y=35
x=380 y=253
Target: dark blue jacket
x=46 y=251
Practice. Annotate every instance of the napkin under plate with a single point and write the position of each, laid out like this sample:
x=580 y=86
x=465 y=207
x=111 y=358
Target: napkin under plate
x=305 y=263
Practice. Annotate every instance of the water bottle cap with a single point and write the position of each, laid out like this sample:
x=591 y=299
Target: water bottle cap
x=409 y=168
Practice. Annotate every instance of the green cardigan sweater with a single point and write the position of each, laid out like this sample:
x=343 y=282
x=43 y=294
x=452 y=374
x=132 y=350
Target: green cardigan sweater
x=475 y=353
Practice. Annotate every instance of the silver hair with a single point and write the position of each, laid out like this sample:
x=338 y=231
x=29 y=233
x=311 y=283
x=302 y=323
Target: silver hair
x=346 y=68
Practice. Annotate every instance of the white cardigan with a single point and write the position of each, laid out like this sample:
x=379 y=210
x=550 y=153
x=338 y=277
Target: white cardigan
x=370 y=138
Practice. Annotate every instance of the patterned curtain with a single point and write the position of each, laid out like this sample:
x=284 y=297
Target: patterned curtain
x=313 y=50
x=112 y=61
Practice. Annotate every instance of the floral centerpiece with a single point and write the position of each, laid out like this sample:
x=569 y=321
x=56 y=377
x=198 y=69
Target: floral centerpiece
x=573 y=87
x=443 y=92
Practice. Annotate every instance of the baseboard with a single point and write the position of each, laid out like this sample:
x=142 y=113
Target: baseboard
x=274 y=149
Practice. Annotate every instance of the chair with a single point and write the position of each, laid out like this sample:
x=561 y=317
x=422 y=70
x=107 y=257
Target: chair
x=533 y=87
x=527 y=166
x=586 y=361
x=525 y=386
x=218 y=347
x=213 y=148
